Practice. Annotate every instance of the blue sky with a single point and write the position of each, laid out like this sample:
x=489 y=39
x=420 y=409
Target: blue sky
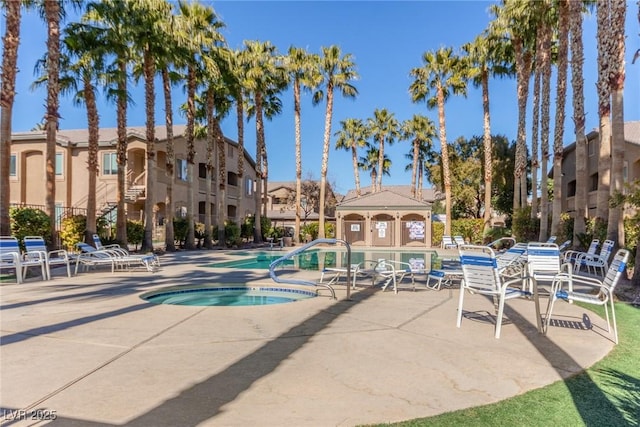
x=387 y=40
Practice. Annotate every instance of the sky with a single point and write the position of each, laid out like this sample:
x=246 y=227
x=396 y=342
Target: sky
x=386 y=39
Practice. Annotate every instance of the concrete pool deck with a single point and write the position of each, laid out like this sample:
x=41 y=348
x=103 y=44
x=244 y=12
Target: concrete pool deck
x=91 y=350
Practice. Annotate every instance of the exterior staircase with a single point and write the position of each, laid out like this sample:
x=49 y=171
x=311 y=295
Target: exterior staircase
x=133 y=193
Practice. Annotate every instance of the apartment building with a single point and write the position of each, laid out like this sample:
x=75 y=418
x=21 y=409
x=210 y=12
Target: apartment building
x=630 y=171
x=27 y=174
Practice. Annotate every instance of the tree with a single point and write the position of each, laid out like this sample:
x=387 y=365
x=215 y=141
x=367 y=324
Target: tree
x=10 y=43
x=338 y=72
x=383 y=128
x=561 y=95
x=615 y=225
x=421 y=131
x=352 y=135
x=303 y=71
x=486 y=57
x=577 y=83
x=443 y=73
x=369 y=162
x=263 y=78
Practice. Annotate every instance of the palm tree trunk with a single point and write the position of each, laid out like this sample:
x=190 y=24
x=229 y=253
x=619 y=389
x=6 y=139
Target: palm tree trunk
x=325 y=161
x=604 y=109
x=545 y=118
x=52 y=12
x=488 y=153
x=581 y=207
x=380 y=163
x=414 y=167
x=240 y=125
x=210 y=106
x=523 y=70
x=221 y=197
x=615 y=226
x=150 y=104
x=445 y=161
x=561 y=101
x=257 y=238
x=10 y=43
x=535 y=121
x=169 y=238
x=121 y=157
x=94 y=122
x=296 y=107
x=191 y=109
x=356 y=170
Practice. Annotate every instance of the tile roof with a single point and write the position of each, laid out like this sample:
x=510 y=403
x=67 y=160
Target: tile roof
x=385 y=198
x=428 y=194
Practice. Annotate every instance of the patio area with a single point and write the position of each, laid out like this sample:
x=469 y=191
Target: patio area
x=90 y=349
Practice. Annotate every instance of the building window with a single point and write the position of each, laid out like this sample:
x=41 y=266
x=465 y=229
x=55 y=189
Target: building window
x=59 y=164
x=181 y=169
x=593 y=182
x=232 y=211
x=202 y=170
x=571 y=189
x=591 y=147
x=109 y=164
x=13 y=166
x=230 y=152
x=248 y=187
x=232 y=179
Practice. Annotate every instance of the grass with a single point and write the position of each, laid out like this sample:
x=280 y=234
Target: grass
x=608 y=393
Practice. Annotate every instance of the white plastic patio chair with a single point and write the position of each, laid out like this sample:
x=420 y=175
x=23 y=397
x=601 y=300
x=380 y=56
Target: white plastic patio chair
x=27 y=259
x=572 y=255
x=544 y=262
x=447 y=243
x=481 y=276
x=10 y=256
x=604 y=288
x=390 y=271
x=596 y=263
x=150 y=261
x=459 y=240
x=57 y=257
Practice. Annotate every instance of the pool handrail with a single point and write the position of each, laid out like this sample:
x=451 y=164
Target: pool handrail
x=303 y=248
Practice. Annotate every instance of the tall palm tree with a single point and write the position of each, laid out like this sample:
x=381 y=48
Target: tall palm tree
x=352 y=135
x=421 y=131
x=486 y=57
x=383 y=128
x=110 y=19
x=615 y=225
x=577 y=82
x=53 y=13
x=235 y=82
x=197 y=30
x=263 y=79
x=338 y=73
x=83 y=65
x=561 y=100
x=442 y=74
x=603 y=86
x=304 y=73
x=10 y=43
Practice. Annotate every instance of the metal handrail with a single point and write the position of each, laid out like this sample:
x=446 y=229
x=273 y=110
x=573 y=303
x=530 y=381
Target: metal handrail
x=301 y=249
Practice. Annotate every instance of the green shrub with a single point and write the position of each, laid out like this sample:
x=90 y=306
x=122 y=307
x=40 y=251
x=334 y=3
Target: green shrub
x=495 y=233
x=72 y=231
x=329 y=230
x=310 y=229
x=437 y=231
x=596 y=228
x=29 y=222
x=565 y=228
x=180 y=227
x=232 y=234
x=469 y=228
x=135 y=232
x=246 y=228
x=525 y=228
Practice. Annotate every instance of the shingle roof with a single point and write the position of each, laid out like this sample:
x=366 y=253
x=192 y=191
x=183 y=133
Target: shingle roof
x=385 y=198
x=428 y=194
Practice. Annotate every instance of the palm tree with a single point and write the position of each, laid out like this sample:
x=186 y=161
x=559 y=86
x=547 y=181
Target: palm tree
x=577 y=83
x=83 y=64
x=561 y=100
x=110 y=19
x=263 y=78
x=197 y=30
x=303 y=70
x=53 y=13
x=443 y=73
x=421 y=131
x=10 y=43
x=383 y=128
x=370 y=162
x=338 y=72
x=486 y=58
x=352 y=135
x=149 y=42
x=615 y=225
x=604 y=110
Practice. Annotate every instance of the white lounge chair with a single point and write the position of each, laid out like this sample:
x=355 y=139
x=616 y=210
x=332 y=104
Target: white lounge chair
x=58 y=257
x=459 y=241
x=447 y=243
x=10 y=256
x=390 y=271
x=604 y=295
x=150 y=260
x=596 y=263
x=481 y=276
x=27 y=259
x=572 y=255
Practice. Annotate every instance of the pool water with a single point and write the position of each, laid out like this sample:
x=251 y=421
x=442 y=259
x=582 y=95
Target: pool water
x=316 y=259
x=227 y=296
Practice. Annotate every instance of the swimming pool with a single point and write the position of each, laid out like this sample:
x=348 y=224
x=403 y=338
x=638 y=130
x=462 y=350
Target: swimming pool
x=317 y=259
x=227 y=296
